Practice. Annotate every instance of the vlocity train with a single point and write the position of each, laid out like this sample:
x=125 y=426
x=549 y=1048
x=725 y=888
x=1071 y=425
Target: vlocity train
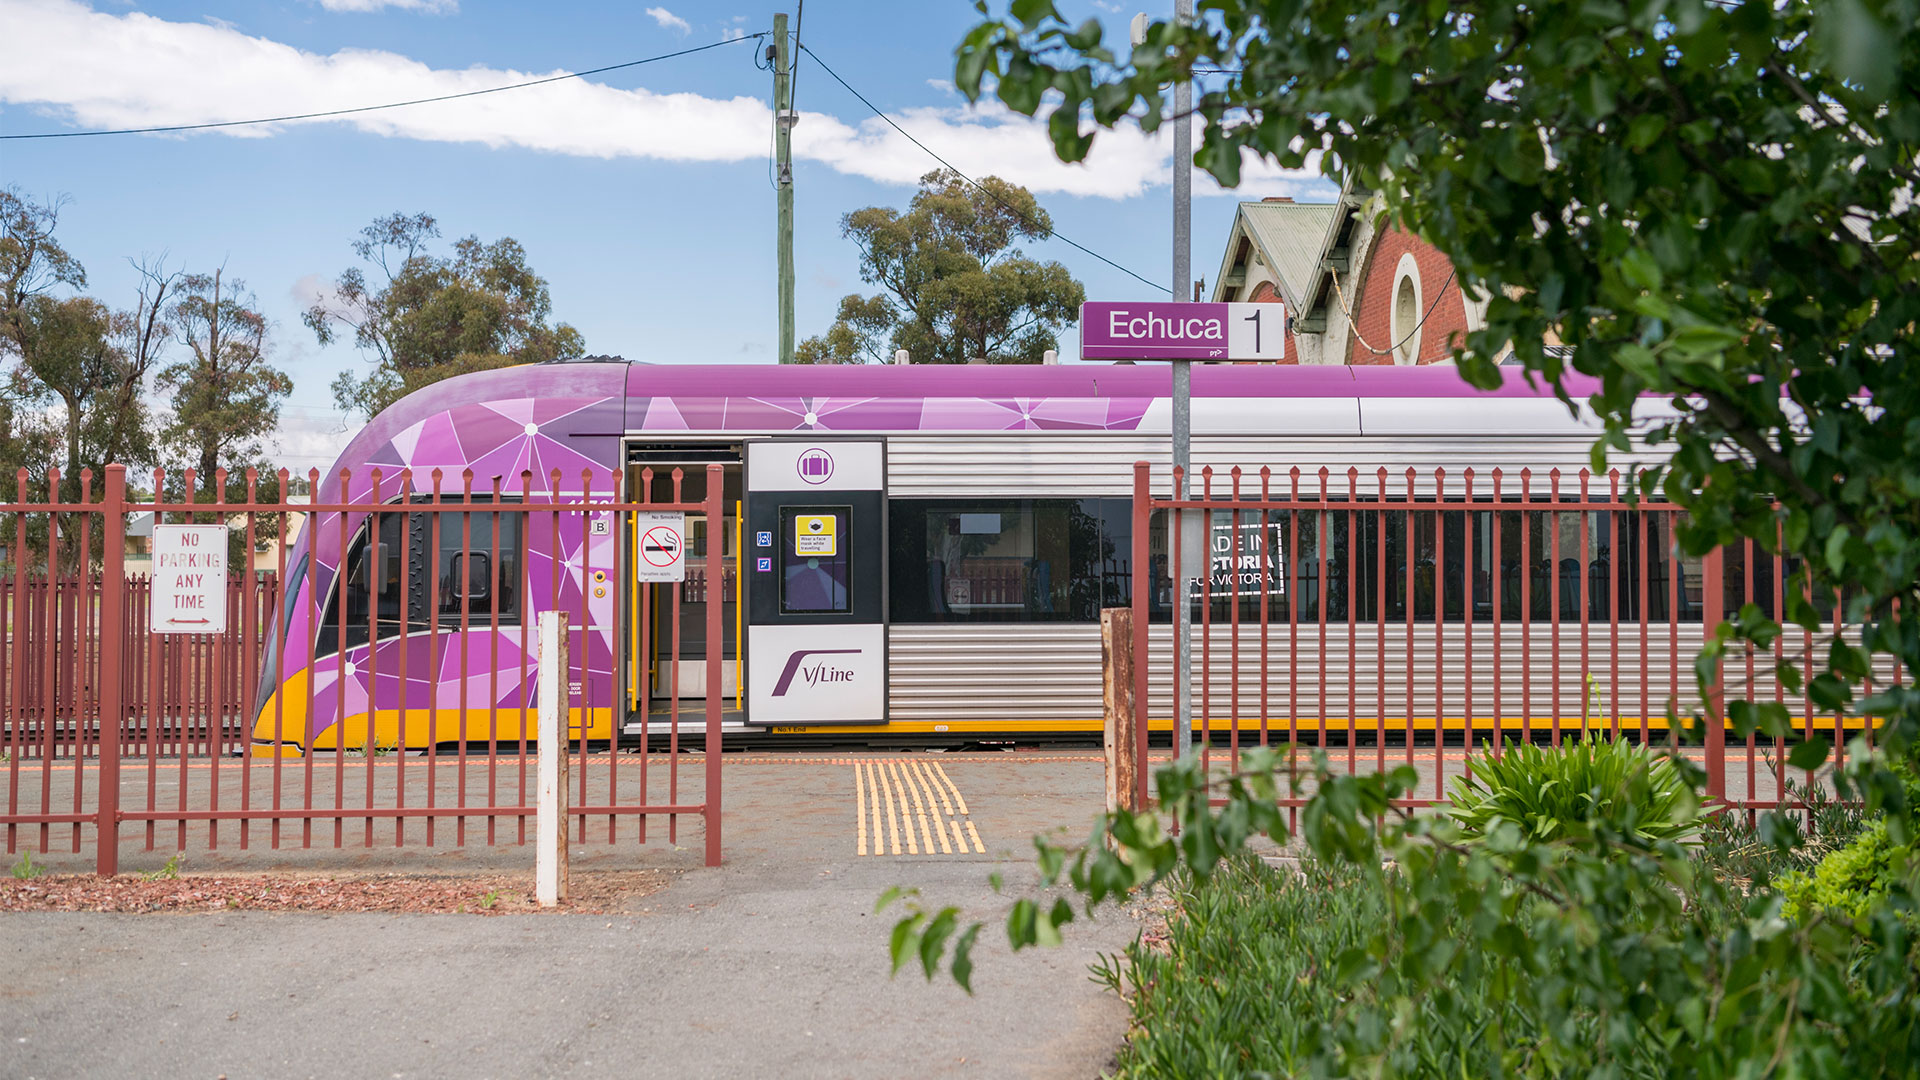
x=922 y=553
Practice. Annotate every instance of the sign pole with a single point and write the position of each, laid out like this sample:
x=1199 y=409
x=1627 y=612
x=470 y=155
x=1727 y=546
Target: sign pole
x=1190 y=538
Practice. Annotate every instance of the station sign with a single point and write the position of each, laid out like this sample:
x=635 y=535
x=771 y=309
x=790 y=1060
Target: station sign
x=189 y=580
x=662 y=554
x=1160 y=330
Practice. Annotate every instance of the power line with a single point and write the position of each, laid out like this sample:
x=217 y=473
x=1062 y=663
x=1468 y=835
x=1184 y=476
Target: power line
x=987 y=191
x=389 y=105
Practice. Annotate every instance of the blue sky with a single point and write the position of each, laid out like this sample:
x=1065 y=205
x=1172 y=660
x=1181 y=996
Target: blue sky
x=641 y=195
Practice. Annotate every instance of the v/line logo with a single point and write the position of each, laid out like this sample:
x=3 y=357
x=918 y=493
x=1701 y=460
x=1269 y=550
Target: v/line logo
x=815 y=674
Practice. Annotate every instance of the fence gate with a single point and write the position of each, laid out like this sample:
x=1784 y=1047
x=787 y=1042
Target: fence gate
x=1417 y=618
x=370 y=680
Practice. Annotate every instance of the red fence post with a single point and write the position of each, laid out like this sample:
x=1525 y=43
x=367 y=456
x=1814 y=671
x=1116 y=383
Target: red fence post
x=1143 y=585
x=113 y=607
x=1712 y=603
x=716 y=630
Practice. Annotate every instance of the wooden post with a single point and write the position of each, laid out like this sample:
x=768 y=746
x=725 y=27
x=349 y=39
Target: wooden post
x=550 y=858
x=1116 y=676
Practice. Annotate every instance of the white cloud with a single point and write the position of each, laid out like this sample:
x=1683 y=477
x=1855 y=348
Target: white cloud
x=310 y=437
x=668 y=20
x=99 y=70
x=430 y=7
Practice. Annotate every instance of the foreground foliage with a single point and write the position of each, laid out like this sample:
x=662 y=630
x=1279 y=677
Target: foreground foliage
x=1258 y=975
x=1604 y=954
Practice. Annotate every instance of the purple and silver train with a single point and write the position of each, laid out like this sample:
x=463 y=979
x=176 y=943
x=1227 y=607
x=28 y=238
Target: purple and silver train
x=918 y=551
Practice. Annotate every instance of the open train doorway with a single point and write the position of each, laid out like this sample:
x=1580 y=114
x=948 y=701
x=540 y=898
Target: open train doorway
x=666 y=643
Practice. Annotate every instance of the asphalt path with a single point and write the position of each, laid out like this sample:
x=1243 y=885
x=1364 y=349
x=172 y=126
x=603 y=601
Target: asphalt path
x=772 y=965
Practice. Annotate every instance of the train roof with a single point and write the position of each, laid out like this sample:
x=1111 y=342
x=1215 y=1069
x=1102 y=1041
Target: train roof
x=1142 y=380
x=572 y=416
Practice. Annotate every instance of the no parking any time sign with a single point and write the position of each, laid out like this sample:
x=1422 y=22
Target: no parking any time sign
x=189 y=579
x=663 y=546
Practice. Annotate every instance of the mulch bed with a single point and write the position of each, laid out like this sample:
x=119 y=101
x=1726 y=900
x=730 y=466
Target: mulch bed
x=594 y=893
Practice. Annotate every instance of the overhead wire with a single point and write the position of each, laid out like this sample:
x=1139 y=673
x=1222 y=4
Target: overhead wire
x=389 y=105
x=1051 y=232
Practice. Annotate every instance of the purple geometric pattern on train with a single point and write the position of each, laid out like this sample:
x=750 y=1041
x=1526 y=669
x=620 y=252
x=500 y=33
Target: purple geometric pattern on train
x=886 y=414
x=520 y=442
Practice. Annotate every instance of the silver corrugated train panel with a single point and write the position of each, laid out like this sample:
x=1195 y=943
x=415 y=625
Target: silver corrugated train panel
x=1053 y=464
x=1040 y=672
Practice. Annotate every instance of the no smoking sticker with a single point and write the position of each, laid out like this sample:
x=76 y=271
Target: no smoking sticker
x=815 y=534
x=662 y=547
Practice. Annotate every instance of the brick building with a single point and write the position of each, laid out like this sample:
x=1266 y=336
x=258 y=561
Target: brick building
x=1357 y=290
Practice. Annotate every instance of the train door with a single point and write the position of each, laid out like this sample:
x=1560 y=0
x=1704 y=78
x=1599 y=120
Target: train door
x=816 y=582
x=667 y=644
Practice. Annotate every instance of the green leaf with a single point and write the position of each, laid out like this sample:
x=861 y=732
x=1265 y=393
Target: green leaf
x=1031 y=13
x=962 y=968
x=1810 y=754
x=933 y=940
x=1068 y=141
x=1701 y=340
x=901 y=944
x=1639 y=268
x=1645 y=129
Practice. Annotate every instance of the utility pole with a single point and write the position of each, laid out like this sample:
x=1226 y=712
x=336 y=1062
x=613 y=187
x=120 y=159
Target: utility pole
x=1192 y=535
x=783 y=119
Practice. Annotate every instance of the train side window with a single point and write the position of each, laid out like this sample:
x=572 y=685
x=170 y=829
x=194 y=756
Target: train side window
x=437 y=568
x=1001 y=560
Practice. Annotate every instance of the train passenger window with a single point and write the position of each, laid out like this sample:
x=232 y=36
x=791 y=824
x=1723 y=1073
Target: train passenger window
x=1454 y=565
x=440 y=568
x=1006 y=560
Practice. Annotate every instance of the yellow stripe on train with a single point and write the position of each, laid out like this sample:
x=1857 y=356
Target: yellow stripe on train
x=406 y=729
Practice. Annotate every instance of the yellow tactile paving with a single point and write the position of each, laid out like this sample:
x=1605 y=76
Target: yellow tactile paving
x=860 y=807
x=920 y=800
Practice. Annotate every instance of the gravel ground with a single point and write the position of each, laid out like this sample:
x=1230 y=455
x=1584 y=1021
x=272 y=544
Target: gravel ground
x=476 y=894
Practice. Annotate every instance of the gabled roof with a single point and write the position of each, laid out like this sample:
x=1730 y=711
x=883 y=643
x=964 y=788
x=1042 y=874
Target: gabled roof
x=1289 y=237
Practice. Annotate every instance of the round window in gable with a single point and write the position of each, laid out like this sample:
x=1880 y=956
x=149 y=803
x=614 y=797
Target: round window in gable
x=1406 y=311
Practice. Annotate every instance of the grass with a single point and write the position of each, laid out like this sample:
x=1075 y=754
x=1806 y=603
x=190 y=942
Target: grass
x=1241 y=985
x=26 y=869
x=167 y=872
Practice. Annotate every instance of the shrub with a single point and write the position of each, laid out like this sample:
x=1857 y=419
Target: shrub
x=1252 y=980
x=1568 y=792
x=1744 y=851
x=1851 y=881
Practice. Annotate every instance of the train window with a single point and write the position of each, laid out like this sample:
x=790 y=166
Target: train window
x=1063 y=559
x=1008 y=560
x=1451 y=563
x=439 y=568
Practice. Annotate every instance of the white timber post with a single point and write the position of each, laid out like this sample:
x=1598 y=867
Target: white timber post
x=550 y=861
